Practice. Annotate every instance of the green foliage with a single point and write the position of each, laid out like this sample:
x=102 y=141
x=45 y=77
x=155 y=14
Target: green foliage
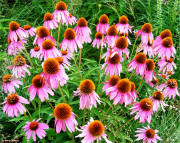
x=162 y=15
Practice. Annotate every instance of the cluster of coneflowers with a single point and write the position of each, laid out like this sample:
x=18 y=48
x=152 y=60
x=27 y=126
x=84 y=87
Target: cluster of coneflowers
x=56 y=56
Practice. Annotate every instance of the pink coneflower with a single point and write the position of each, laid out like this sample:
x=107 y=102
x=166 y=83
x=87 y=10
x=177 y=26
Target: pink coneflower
x=35 y=128
x=163 y=34
x=64 y=117
x=166 y=65
x=15 y=47
x=138 y=63
x=63 y=62
x=71 y=19
x=147 y=134
x=16 y=31
x=154 y=82
x=110 y=83
x=53 y=74
x=123 y=27
x=88 y=96
x=112 y=64
x=149 y=72
x=157 y=99
x=29 y=30
x=9 y=82
x=146 y=33
x=40 y=88
x=36 y=53
x=111 y=36
x=133 y=92
x=98 y=40
x=48 y=49
x=49 y=21
x=66 y=55
x=13 y=105
x=42 y=34
x=83 y=31
x=170 y=88
x=147 y=49
x=121 y=45
x=144 y=109
x=121 y=93
x=19 y=68
x=70 y=41
x=93 y=131
x=166 y=49
x=61 y=14
x=103 y=24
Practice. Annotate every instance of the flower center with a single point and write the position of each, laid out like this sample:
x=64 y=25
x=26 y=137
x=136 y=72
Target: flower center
x=123 y=20
x=70 y=15
x=147 y=28
x=96 y=128
x=133 y=86
x=114 y=80
x=163 y=76
x=99 y=35
x=146 y=104
x=149 y=44
x=121 y=43
x=140 y=58
x=19 y=61
x=47 y=44
x=12 y=99
x=123 y=34
x=36 y=49
x=115 y=59
x=7 y=78
x=150 y=133
x=155 y=81
x=170 y=60
x=166 y=33
x=38 y=81
x=104 y=19
x=172 y=83
x=42 y=32
x=64 y=52
x=158 y=95
x=13 y=26
x=59 y=59
x=87 y=86
x=150 y=65
x=69 y=34
x=27 y=27
x=61 y=6
x=167 y=42
x=124 y=86
x=48 y=16
x=33 y=125
x=112 y=30
x=51 y=66
x=82 y=22
x=62 y=111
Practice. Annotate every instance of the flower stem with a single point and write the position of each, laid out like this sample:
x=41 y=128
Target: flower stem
x=60 y=90
x=26 y=116
x=77 y=66
x=133 y=47
x=28 y=111
x=59 y=30
x=72 y=138
x=84 y=116
x=49 y=104
x=131 y=75
x=113 y=134
x=39 y=107
x=107 y=111
x=140 y=84
x=24 y=81
x=80 y=58
x=100 y=54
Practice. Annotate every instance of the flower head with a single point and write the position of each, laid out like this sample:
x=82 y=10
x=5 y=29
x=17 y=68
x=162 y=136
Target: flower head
x=29 y=30
x=103 y=24
x=49 y=21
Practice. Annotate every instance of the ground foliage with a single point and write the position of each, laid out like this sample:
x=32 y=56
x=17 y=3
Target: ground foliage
x=162 y=15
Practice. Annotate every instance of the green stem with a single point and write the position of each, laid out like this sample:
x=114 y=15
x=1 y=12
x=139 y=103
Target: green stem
x=140 y=84
x=49 y=104
x=60 y=90
x=28 y=111
x=39 y=107
x=84 y=116
x=133 y=48
x=107 y=111
x=77 y=66
x=131 y=75
x=80 y=58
